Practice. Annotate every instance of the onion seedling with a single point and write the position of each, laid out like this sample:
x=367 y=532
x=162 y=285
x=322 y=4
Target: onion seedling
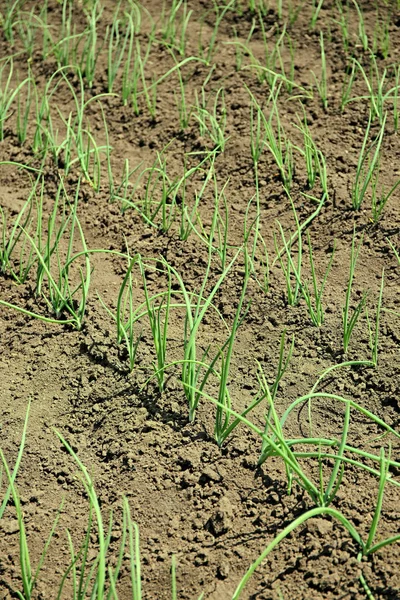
x=125 y=314
x=159 y=330
x=220 y=12
x=28 y=24
x=91 y=50
x=313 y=299
x=269 y=391
x=120 y=35
x=7 y=93
x=261 y=275
x=381 y=38
x=368 y=172
x=12 y=476
x=322 y=84
x=79 y=137
x=29 y=576
x=316 y=312
x=7 y=19
x=374 y=334
x=275 y=139
x=314 y=159
x=24 y=110
x=361 y=28
x=316 y=8
x=290 y=268
x=348 y=82
x=134 y=64
x=222 y=417
x=125 y=191
x=219 y=232
x=349 y=319
x=174 y=25
x=343 y=23
x=213 y=122
x=378 y=93
x=14 y=241
x=195 y=312
x=60 y=294
x=190 y=217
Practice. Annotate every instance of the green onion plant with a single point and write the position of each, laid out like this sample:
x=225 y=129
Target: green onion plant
x=374 y=331
x=17 y=256
x=159 y=329
x=351 y=317
x=125 y=316
x=322 y=82
x=368 y=171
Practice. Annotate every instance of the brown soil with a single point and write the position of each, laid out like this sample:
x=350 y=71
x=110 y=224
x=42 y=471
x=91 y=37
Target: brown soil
x=211 y=507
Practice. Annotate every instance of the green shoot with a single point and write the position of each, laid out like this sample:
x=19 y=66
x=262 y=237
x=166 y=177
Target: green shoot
x=343 y=23
x=58 y=291
x=374 y=334
x=362 y=35
x=7 y=93
x=125 y=314
x=28 y=576
x=120 y=36
x=290 y=268
x=315 y=12
x=381 y=38
x=348 y=82
x=314 y=159
x=220 y=12
x=315 y=307
x=350 y=319
x=270 y=391
x=378 y=93
x=222 y=418
x=159 y=331
x=14 y=240
x=213 y=122
x=367 y=170
x=91 y=49
x=174 y=25
x=274 y=138
x=193 y=318
x=322 y=84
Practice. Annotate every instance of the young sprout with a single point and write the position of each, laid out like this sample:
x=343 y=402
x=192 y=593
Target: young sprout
x=159 y=329
x=316 y=8
x=321 y=83
x=378 y=94
x=8 y=94
x=195 y=312
x=314 y=159
x=125 y=316
x=274 y=137
x=120 y=35
x=368 y=171
x=343 y=23
x=223 y=416
x=291 y=269
x=175 y=22
x=362 y=35
x=17 y=256
x=350 y=319
x=313 y=298
x=213 y=121
x=374 y=332
x=220 y=11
